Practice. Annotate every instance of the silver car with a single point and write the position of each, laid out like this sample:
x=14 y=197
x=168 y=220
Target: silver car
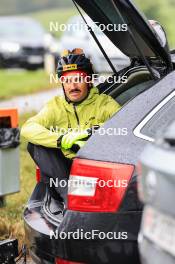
x=23 y=42
x=156 y=189
x=76 y=35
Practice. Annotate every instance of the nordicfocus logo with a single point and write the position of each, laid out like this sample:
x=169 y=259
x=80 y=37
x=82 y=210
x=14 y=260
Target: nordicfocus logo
x=110 y=131
x=82 y=182
x=79 y=78
x=93 y=234
x=55 y=26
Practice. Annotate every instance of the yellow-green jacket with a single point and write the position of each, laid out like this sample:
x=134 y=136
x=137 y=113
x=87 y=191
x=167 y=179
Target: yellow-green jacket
x=58 y=115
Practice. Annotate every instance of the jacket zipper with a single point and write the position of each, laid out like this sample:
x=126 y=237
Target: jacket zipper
x=75 y=111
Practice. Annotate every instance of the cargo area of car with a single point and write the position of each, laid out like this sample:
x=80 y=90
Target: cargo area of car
x=138 y=80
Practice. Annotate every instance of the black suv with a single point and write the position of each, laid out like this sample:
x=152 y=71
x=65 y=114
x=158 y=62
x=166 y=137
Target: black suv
x=112 y=213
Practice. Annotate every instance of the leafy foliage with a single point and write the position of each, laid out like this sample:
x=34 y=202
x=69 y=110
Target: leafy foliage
x=9 y=7
x=163 y=12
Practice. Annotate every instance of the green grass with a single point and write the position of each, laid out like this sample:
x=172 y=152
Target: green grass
x=11 y=222
x=59 y=16
x=14 y=83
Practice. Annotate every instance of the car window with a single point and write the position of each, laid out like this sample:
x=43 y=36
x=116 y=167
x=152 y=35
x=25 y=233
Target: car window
x=109 y=11
x=156 y=122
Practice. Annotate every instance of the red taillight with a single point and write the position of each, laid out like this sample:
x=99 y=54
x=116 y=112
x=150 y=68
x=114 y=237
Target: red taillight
x=62 y=261
x=96 y=186
x=38 y=175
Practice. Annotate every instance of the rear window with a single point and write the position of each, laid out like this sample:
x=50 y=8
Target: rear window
x=109 y=11
x=161 y=119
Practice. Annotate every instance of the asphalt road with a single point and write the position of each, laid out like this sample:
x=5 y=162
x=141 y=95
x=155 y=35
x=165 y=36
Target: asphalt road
x=29 y=103
x=32 y=102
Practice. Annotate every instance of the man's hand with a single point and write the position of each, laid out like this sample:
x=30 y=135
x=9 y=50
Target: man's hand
x=77 y=145
x=70 y=138
x=80 y=143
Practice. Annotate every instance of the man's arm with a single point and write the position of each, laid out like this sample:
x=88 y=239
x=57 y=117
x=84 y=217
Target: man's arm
x=110 y=107
x=37 y=129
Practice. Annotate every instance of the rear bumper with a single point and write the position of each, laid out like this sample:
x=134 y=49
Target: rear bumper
x=44 y=247
x=37 y=231
x=98 y=250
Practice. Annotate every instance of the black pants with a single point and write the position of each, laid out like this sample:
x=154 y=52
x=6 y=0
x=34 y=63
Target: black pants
x=54 y=167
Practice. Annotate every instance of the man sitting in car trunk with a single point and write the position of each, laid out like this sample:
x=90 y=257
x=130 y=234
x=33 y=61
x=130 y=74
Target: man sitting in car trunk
x=65 y=122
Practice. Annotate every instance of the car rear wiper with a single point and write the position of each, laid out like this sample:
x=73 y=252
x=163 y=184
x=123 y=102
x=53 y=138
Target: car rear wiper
x=153 y=75
x=97 y=41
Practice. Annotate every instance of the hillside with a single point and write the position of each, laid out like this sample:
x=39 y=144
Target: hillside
x=59 y=16
x=59 y=11
x=162 y=11
x=13 y=7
